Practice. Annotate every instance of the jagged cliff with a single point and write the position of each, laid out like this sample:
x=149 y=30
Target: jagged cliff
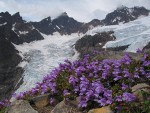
x=10 y=74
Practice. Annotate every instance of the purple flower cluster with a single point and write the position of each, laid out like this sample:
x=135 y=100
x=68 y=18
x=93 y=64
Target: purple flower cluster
x=102 y=82
x=4 y=103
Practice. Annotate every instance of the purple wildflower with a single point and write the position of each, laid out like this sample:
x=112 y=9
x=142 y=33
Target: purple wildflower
x=66 y=93
x=119 y=98
x=52 y=100
x=124 y=86
x=129 y=97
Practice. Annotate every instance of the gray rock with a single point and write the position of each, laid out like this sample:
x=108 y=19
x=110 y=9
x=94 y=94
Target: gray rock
x=88 y=43
x=41 y=100
x=140 y=87
x=66 y=107
x=20 y=106
x=101 y=110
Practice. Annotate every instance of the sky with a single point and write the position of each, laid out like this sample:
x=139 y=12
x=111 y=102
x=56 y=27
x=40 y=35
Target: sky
x=81 y=10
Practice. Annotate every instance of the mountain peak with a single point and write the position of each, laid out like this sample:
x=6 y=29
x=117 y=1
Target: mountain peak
x=122 y=7
x=5 y=13
x=17 y=18
x=124 y=14
x=63 y=14
x=140 y=8
x=16 y=14
x=47 y=19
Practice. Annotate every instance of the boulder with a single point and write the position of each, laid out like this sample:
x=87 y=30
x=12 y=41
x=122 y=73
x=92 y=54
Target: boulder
x=66 y=106
x=140 y=87
x=20 y=106
x=101 y=110
x=41 y=100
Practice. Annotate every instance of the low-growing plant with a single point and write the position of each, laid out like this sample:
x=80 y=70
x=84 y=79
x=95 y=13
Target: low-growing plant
x=2 y=110
x=3 y=105
x=95 y=82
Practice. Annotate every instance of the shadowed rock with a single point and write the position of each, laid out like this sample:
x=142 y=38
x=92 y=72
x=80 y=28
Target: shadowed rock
x=66 y=107
x=20 y=106
x=10 y=74
x=41 y=100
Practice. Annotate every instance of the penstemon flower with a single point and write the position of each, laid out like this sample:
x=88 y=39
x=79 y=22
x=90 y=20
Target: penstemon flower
x=102 y=82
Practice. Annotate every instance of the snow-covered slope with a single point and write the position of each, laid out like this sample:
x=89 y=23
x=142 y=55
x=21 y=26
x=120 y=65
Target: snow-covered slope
x=42 y=56
x=135 y=33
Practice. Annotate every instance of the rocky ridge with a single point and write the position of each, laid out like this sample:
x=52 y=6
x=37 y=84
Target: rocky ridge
x=88 y=43
x=124 y=14
x=40 y=104
x=20 y=30
x=67 y=25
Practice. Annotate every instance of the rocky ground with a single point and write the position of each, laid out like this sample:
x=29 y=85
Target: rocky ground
x=40 y=104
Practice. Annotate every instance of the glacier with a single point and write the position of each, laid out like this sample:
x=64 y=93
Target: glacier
x=44 y=55
x=136 y=34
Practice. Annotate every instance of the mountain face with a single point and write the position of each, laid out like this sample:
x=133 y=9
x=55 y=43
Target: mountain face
x=89 y=43
x=124 y=14
x=23 y=31
x=10 y=74
x=62 y=24
x=13 y=29
x=67 y=25
x=19 y=30
x=90 y=25
x=147 y=46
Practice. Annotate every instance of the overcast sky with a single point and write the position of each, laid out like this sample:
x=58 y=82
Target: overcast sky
x=82 y=10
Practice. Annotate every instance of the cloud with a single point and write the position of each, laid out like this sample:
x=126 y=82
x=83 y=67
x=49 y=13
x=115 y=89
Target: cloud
x=98 y=14
x=82 y=10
